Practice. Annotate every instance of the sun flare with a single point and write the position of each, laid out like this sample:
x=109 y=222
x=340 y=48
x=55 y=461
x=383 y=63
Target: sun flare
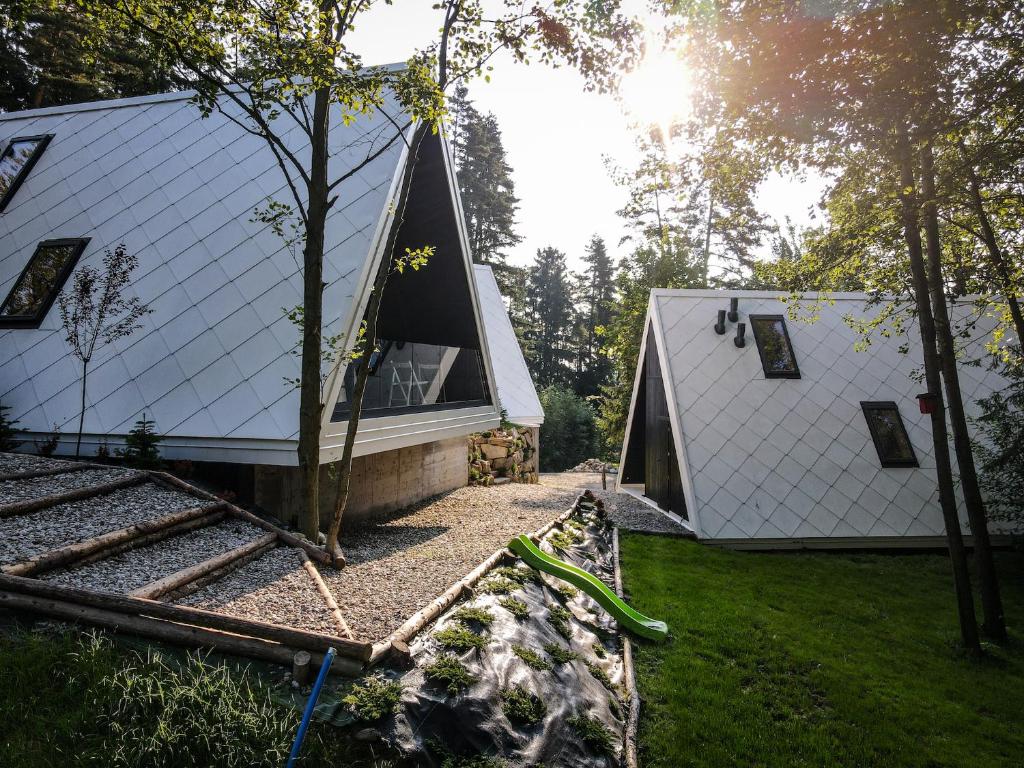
x=657 y=92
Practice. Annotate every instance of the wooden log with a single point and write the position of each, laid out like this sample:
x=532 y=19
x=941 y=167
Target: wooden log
x=302 y=671
x=296 y=638
x=176 y=595
x=315 y=552
x=629 y=747
x=104 y=545
x=203 y=521
x=180 y=578
x=74 y=466
x=325 y=593
x=34 y=505
x=169 y=632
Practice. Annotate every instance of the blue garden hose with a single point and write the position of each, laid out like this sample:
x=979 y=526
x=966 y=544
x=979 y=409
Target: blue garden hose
x=310 y=706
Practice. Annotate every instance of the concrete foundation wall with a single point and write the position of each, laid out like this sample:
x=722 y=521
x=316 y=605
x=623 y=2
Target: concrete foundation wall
x=381 y=482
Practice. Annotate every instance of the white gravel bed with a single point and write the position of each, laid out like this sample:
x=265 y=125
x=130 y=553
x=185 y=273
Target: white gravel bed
x=23 y=462
x=399 y=564
x=25 y=536
x=274 y=588
x=137 y=567
x=37 y=487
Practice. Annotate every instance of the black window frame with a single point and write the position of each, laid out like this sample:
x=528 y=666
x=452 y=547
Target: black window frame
x=867 y=406
x=35 y=320
x=44 y=141
x=770 y=374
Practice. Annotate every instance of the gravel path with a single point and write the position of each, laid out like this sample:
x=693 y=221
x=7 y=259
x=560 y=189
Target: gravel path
x=274 y=588
x=136 y=567
x=627 y=512
x=22 y=490
x=24 y=536
x=400 y=563
x=22 y=462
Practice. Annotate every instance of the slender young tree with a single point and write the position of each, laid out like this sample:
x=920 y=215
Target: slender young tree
x=96 y=312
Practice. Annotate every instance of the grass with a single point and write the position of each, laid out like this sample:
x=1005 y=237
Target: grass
x=75 y=699
x=517 y=608
x=448 y=671
x=822 y=659
x=459 y=638
x=521 y=706
x=533 y=659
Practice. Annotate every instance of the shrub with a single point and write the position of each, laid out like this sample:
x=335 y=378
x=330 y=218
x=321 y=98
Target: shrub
x=564 y=539
x=569 y=433
x=601 y=675
x=467 y=615
x=450 y=672
x=599 y=650
x=7 y=430
x=1000 y=449
x=558 y=617
x=49 y=445
x=140 y=445
x=559 y=654
x=497 y=585
x=566 y=592
x=532 y=658
x=522 y=706
x=459 y=638
x=518 y=575
x=517 y=608
x=374 y=698
x=593 y=732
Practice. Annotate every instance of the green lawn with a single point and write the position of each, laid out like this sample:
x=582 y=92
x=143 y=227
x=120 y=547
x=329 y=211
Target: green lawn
x=818 y=660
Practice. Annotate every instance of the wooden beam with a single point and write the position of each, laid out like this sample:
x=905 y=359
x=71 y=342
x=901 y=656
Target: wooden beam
x=34 y=505
x=170 y=632
x=315 y=552
x=113 y=542
x=180 y=578
x=296 y=638
x=325 y=593
x=73 y=466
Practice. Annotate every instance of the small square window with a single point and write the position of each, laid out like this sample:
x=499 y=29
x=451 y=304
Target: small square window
x=39 y=283
x=889 y=434
x=773 y=345
x=15 y=163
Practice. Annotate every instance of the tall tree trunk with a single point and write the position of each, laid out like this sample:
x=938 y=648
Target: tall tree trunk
x=310 y=407
x=994 y=623
x=81 y=410
x=363 y=369
x=944 y=471
x=995 y=253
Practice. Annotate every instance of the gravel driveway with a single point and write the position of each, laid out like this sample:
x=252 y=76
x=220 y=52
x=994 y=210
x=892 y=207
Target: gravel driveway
x=405 y=560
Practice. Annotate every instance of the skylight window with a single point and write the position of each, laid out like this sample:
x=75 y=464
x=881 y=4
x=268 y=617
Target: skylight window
x=39 y=283
x=773 y=345
x=15 y=163
x=889 y=434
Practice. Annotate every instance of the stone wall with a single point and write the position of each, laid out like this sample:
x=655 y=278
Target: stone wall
x=508 y=455
x=381 y=482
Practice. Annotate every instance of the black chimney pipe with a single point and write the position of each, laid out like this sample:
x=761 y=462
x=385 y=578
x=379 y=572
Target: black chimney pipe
x=739 y=341
x=734 y=305
x=720 y=325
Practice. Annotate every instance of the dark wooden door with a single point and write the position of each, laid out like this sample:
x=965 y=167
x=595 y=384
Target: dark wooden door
x=662 y=481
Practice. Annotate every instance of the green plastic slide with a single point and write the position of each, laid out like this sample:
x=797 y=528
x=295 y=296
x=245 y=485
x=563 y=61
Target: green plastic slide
x=632 y=620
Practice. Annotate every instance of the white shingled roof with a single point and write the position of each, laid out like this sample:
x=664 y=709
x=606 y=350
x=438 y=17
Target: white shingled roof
x=516 y=390
x=792 y=459
x=210 y=364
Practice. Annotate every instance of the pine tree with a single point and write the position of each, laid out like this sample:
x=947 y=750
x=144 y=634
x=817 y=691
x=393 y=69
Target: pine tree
x=486 y=187
x=596 y=307
x=7 y=430
x=140 y=445
x=549 y=300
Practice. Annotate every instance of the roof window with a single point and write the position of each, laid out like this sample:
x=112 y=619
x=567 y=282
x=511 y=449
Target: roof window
x=889 y=434
x=773 y=345
x=39 y=283
x=15 y=163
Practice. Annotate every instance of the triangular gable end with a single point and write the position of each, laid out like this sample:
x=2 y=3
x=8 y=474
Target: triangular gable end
x=653 y=451
x=432 y=377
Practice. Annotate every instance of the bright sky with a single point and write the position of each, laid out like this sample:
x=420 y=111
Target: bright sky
x=555 y=135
